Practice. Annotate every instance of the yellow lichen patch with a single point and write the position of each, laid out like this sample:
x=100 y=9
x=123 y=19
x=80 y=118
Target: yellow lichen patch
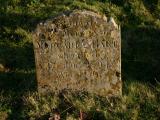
x=88 y=56
x=87 y=33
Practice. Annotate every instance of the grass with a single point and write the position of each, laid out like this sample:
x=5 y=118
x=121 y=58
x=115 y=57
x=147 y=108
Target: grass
x=139 y=101
x=140 y=25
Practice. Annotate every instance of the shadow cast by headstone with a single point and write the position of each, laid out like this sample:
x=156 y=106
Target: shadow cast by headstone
x=17 y=57
x=18 y=76
x=14 y=85
x=140 y=54
x=17 y=82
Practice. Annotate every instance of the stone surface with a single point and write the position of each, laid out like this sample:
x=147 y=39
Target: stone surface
x=78 y=51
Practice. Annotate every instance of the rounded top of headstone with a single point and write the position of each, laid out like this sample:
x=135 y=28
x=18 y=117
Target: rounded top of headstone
x=70 y=14
x=77 y=20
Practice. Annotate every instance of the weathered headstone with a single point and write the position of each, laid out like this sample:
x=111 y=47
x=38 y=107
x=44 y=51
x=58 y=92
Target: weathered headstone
x=78 y=51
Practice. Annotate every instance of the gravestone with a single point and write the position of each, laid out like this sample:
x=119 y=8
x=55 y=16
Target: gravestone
x=78 y=51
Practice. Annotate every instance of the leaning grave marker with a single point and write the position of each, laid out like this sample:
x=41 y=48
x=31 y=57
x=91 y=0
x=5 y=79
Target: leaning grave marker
x=78 y=51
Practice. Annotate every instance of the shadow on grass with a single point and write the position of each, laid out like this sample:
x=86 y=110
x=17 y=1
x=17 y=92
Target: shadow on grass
x=140 y=54
x=18 y=78
x=14 y=85
x=17 y=56
x=17 y=82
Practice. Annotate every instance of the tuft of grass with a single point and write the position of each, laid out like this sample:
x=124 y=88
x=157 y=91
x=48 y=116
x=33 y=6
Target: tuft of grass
x=139 y=101
x=39 y=105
